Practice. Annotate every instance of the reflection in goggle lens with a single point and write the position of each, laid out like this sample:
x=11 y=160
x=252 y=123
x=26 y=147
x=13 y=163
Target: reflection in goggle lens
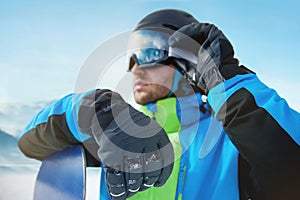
x=148 y=56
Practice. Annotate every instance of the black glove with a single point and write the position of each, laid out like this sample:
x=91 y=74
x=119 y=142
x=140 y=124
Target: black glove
x=214 y=61
x=134 y=149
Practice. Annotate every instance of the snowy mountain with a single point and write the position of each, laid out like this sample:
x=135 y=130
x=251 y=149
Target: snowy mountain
x=7 y=142
x=10 y=155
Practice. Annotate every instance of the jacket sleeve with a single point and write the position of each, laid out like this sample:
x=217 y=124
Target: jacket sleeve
x=265 y=130
x=53 y=129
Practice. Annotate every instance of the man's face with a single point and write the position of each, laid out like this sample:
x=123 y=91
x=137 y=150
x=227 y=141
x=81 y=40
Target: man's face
x=152 y=84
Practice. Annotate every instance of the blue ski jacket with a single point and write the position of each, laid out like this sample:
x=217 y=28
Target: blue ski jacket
x=247 y=148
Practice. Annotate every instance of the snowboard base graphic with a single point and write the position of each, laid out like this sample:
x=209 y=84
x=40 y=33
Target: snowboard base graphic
x=62 y=176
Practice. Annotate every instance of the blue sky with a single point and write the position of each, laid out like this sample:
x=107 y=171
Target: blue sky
x=45 y=43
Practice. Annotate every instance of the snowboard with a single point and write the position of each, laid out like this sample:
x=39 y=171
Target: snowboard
x=62 y=176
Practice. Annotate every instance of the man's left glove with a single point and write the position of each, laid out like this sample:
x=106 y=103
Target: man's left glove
x=134 y=149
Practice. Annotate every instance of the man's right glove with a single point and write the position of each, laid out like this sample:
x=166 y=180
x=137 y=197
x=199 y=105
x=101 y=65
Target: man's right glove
x=134 y=149
x=211 y=53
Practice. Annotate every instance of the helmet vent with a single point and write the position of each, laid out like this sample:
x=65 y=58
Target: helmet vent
x=170 y=26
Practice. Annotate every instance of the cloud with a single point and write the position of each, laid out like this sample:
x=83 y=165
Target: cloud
x=14 y=117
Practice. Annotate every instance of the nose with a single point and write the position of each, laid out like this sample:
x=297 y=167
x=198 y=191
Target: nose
x=136 y=70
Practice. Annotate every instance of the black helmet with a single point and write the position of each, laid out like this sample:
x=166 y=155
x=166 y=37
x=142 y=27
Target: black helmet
x=166 y=19
x=148 y=44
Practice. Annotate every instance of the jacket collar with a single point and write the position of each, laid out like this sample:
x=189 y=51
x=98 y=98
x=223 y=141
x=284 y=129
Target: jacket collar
x=175 y=113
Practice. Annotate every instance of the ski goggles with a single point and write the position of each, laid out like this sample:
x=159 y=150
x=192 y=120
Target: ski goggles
x=147 y=48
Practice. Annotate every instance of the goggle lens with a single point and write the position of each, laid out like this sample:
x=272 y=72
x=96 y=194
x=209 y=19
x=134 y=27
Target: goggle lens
x=148 y=56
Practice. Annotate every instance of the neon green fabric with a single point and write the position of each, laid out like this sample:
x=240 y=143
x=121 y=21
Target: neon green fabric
x=166 y=116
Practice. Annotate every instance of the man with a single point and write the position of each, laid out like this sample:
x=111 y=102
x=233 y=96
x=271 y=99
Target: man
x=243 y=143
x=237 y=163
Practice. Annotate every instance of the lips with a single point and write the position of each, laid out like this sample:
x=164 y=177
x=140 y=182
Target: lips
x=139 y=85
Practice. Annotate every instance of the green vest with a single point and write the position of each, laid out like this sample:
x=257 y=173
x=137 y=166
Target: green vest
x=166 y=116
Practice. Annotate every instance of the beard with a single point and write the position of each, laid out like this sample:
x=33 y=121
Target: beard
x=150 y=93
